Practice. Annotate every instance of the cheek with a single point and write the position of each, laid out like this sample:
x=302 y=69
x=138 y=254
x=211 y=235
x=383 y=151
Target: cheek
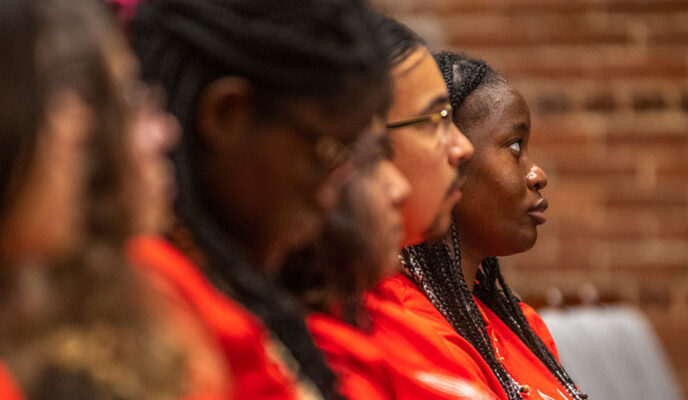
x=428 y=171
x=494 y=192
x=46 y=219
x=380 y=220
x=286 y=181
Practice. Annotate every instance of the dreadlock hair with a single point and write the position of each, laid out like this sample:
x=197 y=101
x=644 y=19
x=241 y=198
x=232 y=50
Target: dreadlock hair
x=437 y=267
x=301 y=48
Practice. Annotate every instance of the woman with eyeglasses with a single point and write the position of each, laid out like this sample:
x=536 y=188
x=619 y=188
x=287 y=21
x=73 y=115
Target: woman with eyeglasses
x=270 y=96
x=455 y=285
x=82 y=144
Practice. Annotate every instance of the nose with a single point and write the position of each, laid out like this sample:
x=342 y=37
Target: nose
x=536 y=178
x=328 y=191
x=172 y=133
x=459 y=148
x=398 y=187
x=155 y=131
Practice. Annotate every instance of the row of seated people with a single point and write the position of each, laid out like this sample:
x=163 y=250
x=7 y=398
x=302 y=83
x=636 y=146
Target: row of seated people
x=263 y=200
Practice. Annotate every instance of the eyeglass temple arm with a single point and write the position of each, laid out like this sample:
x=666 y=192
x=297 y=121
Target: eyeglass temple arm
x=423 y=118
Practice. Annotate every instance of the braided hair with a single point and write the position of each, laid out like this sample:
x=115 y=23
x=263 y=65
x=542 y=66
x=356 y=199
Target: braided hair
x=437 y=267
x=319 y=49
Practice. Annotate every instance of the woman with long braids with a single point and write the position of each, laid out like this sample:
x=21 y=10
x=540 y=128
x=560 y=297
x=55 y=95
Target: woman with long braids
x=78 y=132
x=270 y=94
x=456 y=283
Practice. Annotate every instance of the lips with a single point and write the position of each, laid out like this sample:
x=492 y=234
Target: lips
x=537 y=212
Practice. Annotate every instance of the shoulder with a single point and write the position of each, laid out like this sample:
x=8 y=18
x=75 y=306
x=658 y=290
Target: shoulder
x=353 y=356
x=164 y=266
x=400 y=291
x=419 y=332
x=372 y=367
x=242 y=339
x=341 y=341
x=394 y=288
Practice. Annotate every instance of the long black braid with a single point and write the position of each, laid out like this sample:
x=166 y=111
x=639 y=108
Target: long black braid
x=298 y=47
x=507 y=307
x=450 y=294
x=437 y=271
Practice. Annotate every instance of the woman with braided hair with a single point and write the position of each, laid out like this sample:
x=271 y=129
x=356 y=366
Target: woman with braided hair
x=270 y=95
x=456 y=283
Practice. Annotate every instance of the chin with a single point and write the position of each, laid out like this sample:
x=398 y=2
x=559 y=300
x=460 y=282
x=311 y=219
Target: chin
x=516 y=243
x=526 y=243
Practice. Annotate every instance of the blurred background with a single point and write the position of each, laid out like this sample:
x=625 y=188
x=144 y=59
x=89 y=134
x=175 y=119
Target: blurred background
x=607 y=84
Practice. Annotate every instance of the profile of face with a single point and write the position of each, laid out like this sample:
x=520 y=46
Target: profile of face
x=150 y=134
x=427 y=153
x=361 y=237
x=502 y=204
x=378 y=195
x=46 y=218
x=272 y=178
x=43 y=221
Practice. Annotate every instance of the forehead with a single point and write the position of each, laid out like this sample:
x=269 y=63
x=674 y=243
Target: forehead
x=416 y=82
x=493 y=110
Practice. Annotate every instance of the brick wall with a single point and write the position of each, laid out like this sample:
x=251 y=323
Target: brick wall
x=607 y=83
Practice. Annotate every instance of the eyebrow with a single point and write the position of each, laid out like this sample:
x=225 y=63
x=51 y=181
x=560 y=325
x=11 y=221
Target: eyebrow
x=441 y=100
x=520 y=126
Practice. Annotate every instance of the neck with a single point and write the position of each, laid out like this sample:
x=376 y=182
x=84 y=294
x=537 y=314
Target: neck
x=470 y=262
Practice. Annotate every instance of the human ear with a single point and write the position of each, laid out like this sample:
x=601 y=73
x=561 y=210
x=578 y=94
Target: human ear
x=226 y=111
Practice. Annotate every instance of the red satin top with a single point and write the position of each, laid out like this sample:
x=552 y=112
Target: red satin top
x=448 y=348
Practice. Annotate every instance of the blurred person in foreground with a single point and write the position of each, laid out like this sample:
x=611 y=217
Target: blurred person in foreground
x=82 y=154
x=270 y=95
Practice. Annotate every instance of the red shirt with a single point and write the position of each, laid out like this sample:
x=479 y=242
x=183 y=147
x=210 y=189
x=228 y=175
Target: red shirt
x=450 y=347
x=256 y=371
x=368 y=371
x=8 y=390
